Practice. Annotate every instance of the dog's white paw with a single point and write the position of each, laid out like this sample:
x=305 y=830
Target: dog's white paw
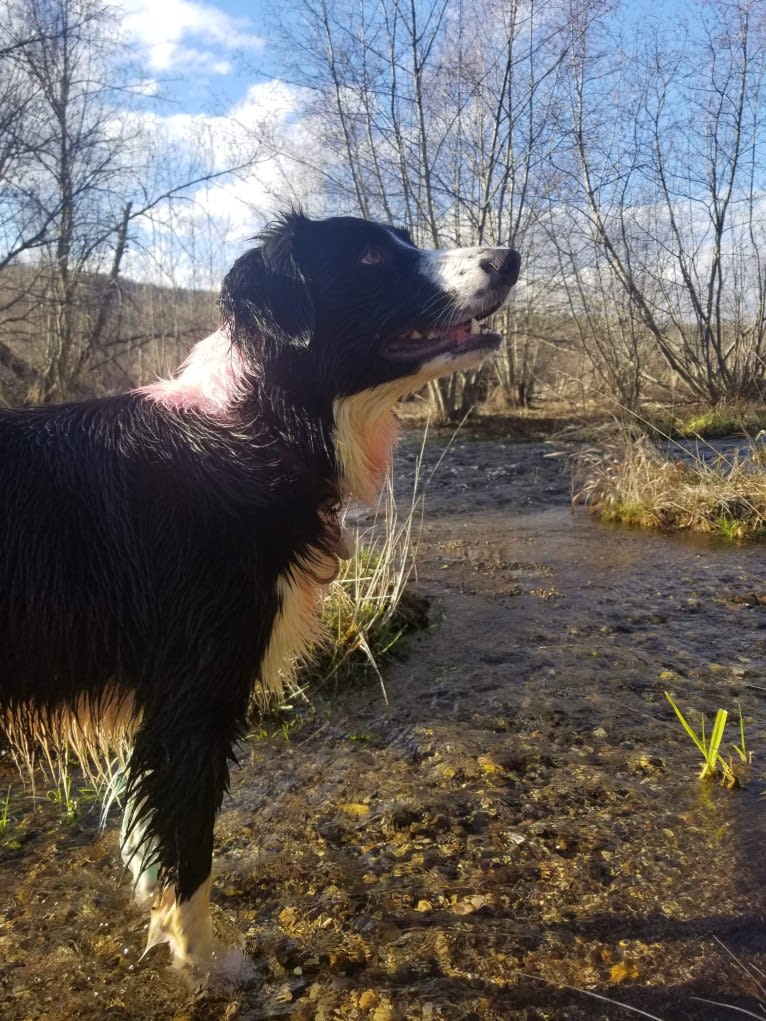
x=187 y=928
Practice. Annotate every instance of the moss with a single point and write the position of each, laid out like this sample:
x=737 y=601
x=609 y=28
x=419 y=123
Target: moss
x=724 y=420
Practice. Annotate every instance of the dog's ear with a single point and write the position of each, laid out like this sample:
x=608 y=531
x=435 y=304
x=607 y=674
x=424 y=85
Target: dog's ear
x=264 y=297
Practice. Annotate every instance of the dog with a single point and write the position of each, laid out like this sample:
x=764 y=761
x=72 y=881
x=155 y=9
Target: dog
x=162 y=551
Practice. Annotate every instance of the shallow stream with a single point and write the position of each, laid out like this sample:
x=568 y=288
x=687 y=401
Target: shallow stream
x=518 y=833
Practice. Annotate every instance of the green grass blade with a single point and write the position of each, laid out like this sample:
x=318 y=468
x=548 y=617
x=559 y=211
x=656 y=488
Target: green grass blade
x=716 y=737
x=741 y=748
x=699 y=742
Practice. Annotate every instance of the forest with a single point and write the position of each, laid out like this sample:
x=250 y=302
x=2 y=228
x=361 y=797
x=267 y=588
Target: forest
x=619 y=147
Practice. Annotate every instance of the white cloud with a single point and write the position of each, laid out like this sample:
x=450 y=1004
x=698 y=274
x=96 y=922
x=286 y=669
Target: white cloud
x=194 y=243
x=270 y=109
x=146 y=87
x=184 y=35
x=267 y=109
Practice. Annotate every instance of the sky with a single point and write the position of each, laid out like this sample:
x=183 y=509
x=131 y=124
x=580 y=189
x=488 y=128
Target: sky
x=207 y=73
x=194 y=50
x=210 y=71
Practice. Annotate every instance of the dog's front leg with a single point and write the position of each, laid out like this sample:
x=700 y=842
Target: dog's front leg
x=173 y=798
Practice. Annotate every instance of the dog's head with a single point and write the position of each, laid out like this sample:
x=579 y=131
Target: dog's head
x=330 y=308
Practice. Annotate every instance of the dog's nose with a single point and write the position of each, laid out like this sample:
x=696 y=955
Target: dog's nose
x=503 y=263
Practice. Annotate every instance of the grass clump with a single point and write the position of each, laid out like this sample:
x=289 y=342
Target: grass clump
x=5 y=812
x=368 y=608
x=710 y=424
x=729 y=418
x=9 y=838
x=628 y=479
x=732 y=775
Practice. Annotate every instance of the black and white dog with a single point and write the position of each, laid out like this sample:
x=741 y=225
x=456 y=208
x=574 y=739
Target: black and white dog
x=161 y=551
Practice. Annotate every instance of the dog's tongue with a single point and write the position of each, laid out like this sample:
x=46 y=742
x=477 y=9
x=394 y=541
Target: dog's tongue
x=418 y=344
x=458 y=334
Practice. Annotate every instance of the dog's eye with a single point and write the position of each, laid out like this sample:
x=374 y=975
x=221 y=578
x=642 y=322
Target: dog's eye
x=372 y=256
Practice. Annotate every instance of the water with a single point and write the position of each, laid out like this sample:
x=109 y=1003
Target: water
x=522 y=817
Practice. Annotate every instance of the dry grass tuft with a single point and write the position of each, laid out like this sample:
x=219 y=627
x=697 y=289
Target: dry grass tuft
x=369 y=607
x=630 y=480
x=726 y=419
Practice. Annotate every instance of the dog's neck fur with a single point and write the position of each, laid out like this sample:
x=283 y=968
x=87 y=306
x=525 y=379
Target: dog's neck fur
x=208 y=381
x=365 y=434
x=361 y=428
x=366 y=429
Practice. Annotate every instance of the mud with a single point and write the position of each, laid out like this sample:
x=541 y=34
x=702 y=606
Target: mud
x=518 y=833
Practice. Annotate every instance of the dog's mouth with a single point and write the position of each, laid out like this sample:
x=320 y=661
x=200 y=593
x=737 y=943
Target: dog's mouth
x=472 y=335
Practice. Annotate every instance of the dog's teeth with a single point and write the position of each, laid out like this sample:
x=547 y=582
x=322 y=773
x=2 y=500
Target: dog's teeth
x=416 y=335
x=433 y=335
x=475 y=328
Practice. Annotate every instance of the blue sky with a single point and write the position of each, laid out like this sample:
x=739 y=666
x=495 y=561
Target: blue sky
x=206 y=71
x=193 y=50
x=210 y=64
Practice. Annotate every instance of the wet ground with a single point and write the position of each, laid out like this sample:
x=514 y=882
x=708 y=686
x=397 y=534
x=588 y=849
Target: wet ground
x=518 y=834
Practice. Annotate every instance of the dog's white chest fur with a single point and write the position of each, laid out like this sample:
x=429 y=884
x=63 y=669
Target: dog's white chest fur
x=296 y=625
x=365 y=434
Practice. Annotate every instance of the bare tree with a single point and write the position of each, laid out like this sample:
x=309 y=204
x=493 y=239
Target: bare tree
x=435 y=115
x=80 y=181
x=669 y=166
